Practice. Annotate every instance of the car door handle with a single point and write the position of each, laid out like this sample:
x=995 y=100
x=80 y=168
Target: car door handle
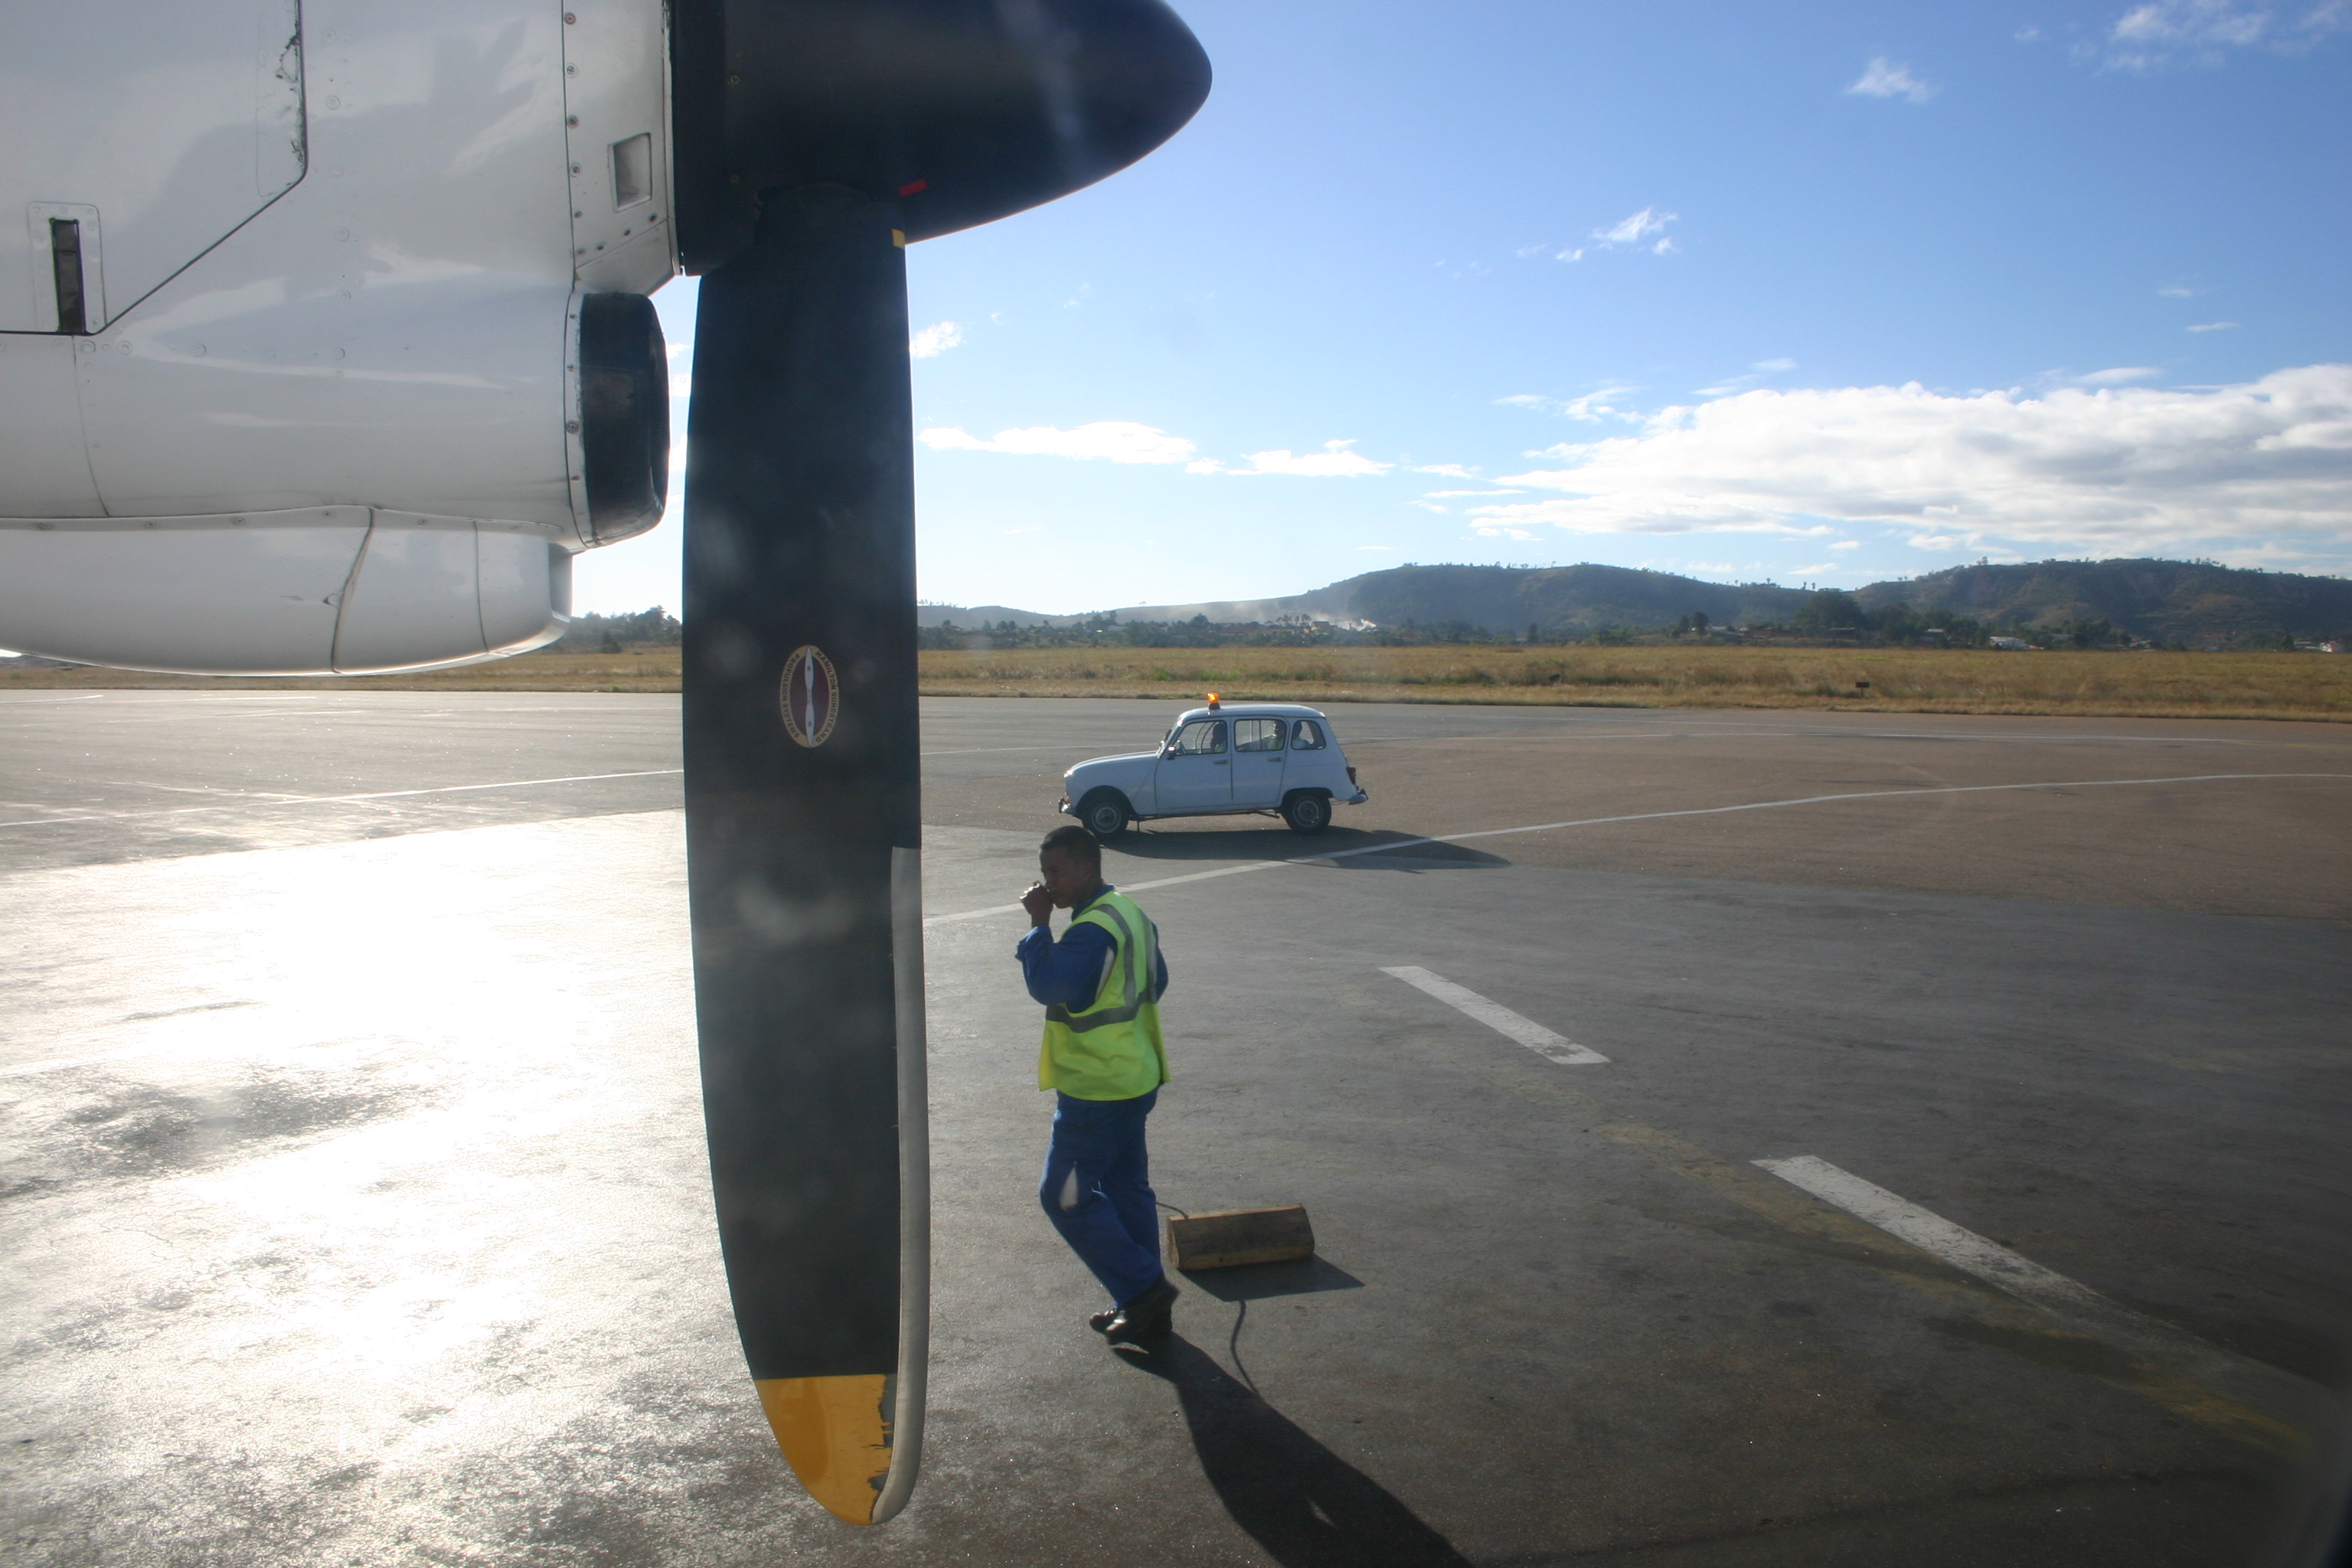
x=1221 y=762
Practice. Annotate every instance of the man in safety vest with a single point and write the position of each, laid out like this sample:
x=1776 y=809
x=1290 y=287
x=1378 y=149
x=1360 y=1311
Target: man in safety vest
x=1101 y=986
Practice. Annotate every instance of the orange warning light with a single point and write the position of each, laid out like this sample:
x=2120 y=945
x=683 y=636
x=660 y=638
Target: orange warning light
x=1213 y=702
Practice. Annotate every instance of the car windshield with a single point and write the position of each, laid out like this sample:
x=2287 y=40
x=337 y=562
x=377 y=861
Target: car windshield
x=1199 y=738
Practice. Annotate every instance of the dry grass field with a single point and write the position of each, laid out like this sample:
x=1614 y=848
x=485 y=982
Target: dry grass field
x=2204 y=685
x=2172 y=685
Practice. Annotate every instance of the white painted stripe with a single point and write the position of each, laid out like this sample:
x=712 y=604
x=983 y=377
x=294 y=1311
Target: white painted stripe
x=2279 y=1394
x=461 y=789
x=1394 y=845
x=258 y=803
x=1498 y=1017
x=1931 y=1233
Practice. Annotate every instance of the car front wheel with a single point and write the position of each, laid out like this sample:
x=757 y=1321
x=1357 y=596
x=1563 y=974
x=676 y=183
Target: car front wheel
x=1307 y=812
x=1105 y=814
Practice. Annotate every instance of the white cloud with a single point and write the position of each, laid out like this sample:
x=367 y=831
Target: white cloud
x=2121 y=375
x=2177 y=291
x=1435 y=494
x=1599 y=404
x=2117 y=471
x=1634 y=230
x=2213 y=327
x=1884 y=78
x=1333 y=462
x=1444 y=471
x=1593 y=406
x=2027 y=34
x=1757 y=372
x=1112 y=440
x=1847 y=544
x=935 y=340
x=2203 y=32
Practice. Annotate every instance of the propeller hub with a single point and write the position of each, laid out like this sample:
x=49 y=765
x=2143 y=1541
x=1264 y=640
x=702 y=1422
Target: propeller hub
x=959 y=111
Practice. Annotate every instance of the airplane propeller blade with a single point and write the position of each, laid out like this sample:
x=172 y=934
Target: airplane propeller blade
x=814 y=137
x=803 y=836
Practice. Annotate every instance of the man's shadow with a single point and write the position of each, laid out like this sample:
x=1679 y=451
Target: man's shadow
x=1306 y=1506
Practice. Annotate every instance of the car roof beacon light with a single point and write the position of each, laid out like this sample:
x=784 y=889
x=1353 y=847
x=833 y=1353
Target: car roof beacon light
x=1213 y=702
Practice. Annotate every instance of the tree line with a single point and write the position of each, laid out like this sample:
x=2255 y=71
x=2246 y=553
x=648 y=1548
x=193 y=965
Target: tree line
x=1830 y=616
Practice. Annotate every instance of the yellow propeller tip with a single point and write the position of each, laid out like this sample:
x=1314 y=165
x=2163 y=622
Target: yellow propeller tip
x=835 y=1433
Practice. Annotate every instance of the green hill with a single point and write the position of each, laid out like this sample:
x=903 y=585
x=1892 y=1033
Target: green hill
x=1558 y=599
x=2165 y=601
x=1505 y=599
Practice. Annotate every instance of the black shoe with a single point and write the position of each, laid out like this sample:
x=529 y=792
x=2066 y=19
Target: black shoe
x=1148 y=1316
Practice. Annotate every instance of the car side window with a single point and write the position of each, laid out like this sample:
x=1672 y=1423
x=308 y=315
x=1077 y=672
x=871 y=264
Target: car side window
x=1202 y=737
x=1307 y=735
x=1257 y=734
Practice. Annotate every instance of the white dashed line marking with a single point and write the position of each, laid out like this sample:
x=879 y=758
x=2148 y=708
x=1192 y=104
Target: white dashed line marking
x=1931 y=1233
x=1498 y=1017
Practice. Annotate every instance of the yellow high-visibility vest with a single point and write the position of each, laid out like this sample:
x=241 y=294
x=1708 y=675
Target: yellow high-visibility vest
x=1111 y=1049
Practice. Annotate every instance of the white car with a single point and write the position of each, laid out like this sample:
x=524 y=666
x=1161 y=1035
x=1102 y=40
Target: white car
x=1221 y=760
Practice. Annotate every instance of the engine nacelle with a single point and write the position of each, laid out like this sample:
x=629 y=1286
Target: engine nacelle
x=323 y=343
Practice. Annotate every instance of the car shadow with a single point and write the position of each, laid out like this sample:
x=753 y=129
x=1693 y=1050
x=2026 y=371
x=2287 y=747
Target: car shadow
x=1347 y=848
x=1304 y=1504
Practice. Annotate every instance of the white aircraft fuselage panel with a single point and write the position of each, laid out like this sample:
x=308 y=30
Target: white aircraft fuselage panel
x=158 y=127
x=332 y=261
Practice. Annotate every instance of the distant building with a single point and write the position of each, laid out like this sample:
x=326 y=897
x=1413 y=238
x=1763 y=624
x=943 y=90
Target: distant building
x=2017 y=645
x=2333 y=644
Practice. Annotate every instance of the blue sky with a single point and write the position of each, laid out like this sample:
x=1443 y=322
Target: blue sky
x=1820 y=293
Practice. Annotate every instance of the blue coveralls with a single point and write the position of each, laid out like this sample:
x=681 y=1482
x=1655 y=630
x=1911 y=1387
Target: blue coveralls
x=1097 y=1187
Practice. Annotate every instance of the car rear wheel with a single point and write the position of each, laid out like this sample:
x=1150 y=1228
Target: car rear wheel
x=1308 y=811
x=1105 y=814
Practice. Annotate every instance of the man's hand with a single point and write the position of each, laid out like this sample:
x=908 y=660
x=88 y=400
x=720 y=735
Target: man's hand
x=1039 y=903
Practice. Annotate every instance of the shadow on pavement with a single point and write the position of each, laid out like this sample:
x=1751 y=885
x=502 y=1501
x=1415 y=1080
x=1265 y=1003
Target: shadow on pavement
x=1256 y=1281
x=1304 y=1504
x=1384 y=850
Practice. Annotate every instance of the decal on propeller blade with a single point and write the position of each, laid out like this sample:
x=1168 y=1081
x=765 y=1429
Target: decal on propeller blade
x=810 y=695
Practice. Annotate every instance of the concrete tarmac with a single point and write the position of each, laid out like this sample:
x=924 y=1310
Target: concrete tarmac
x=354 y=1207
